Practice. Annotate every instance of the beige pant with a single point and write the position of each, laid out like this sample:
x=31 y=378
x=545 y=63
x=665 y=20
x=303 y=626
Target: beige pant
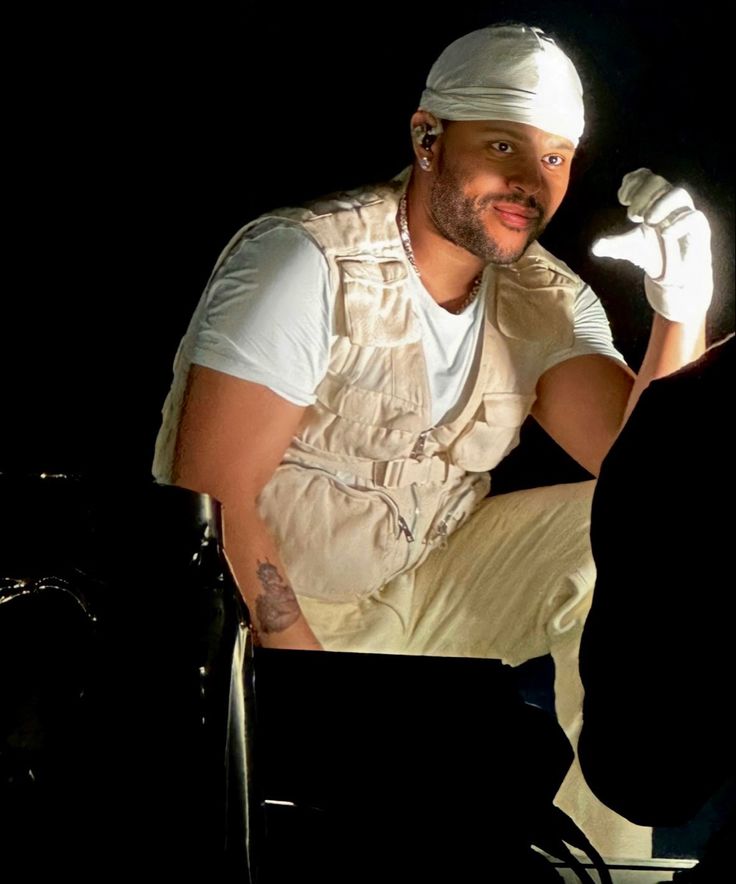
x=514 y=583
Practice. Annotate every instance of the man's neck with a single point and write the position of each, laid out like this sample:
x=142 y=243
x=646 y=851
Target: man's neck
x=447 y=271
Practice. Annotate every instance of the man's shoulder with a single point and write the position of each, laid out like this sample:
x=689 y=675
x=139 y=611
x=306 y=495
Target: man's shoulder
x=350 y=221
x=343 y=201
x=537 y=255
x=357 y=198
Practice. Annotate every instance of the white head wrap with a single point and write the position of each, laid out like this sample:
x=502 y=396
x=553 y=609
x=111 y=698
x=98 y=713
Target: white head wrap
x=512 y=72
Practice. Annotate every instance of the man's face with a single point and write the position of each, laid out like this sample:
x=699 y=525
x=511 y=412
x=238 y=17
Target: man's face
x=496 y=185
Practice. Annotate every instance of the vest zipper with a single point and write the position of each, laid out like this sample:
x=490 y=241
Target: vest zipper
x=408 y=532
x=418 y=449
x=405 y=530
x=441 y=529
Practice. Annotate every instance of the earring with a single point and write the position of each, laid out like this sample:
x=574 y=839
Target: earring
x=425 y=163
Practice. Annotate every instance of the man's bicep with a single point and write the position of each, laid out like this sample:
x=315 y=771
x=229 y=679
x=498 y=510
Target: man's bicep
x=267 y=315
x=232 y=435
x=581 y=404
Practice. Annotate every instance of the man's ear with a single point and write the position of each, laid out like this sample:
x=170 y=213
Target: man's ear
x=425 y=130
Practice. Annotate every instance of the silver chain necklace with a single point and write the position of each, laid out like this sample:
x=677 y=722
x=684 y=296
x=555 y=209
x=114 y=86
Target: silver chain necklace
x=406 y=242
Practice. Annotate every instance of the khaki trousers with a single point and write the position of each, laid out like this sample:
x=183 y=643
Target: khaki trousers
x=515 y=582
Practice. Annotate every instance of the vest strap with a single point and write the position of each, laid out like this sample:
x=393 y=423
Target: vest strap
x=411 y=471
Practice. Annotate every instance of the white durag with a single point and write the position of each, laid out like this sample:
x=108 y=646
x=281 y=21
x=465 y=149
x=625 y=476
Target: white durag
x=511 y=72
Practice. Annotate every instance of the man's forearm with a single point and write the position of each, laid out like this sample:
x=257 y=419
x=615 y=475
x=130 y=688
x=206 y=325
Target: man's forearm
x=671 y=346
x=263 y=582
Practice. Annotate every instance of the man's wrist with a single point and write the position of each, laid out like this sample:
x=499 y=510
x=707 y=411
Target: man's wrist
x=677 y=303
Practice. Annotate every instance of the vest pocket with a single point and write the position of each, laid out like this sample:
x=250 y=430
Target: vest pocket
x=338 y=543
x=378 y=311
x=493 y=432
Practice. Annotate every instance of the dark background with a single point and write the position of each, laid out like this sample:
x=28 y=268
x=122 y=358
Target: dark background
x=140 y=140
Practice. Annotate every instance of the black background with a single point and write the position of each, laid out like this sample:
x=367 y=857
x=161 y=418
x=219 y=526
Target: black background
x=140 y=140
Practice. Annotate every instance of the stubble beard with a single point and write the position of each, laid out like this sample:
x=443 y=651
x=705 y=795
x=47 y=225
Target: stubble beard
x=460 y=218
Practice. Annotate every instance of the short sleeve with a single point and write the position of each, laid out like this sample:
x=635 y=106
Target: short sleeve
x=592 y=331
x=268 y=313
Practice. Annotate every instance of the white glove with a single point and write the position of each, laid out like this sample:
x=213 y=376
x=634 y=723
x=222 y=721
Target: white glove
x=671 y=243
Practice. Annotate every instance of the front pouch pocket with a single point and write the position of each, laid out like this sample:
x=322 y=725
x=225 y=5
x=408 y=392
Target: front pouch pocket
x=494 y=431
x=338 y=543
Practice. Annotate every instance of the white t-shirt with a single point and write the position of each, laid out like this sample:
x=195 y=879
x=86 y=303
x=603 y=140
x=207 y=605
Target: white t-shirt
x=269 y=320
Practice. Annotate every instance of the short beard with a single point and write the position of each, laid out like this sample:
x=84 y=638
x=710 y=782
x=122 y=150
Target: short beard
x=458 y=217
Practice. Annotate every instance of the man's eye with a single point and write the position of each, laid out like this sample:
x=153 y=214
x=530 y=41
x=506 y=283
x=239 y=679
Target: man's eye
x=554 y=160
x=502 y=146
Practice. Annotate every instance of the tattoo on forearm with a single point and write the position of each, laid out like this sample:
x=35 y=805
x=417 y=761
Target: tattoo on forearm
x=277 y=607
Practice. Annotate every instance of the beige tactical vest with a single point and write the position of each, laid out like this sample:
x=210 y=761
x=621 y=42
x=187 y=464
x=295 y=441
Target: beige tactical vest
x=368 y=487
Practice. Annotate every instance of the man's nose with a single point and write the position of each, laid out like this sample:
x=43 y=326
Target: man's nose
x=525 y=176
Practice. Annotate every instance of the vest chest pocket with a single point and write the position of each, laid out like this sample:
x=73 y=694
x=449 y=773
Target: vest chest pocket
x=493 y=432
x=378 y=311
x=337 y=543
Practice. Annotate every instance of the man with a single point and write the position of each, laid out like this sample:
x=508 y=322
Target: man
x=354 y=369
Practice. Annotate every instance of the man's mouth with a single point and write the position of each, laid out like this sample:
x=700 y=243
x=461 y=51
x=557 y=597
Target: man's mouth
x=516 y=217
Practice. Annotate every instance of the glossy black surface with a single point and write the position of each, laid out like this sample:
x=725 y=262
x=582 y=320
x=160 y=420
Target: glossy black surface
x=376 y=767
x=125 y=681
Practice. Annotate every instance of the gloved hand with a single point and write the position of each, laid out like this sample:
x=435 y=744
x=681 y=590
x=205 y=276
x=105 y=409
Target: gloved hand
x=670 y=242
